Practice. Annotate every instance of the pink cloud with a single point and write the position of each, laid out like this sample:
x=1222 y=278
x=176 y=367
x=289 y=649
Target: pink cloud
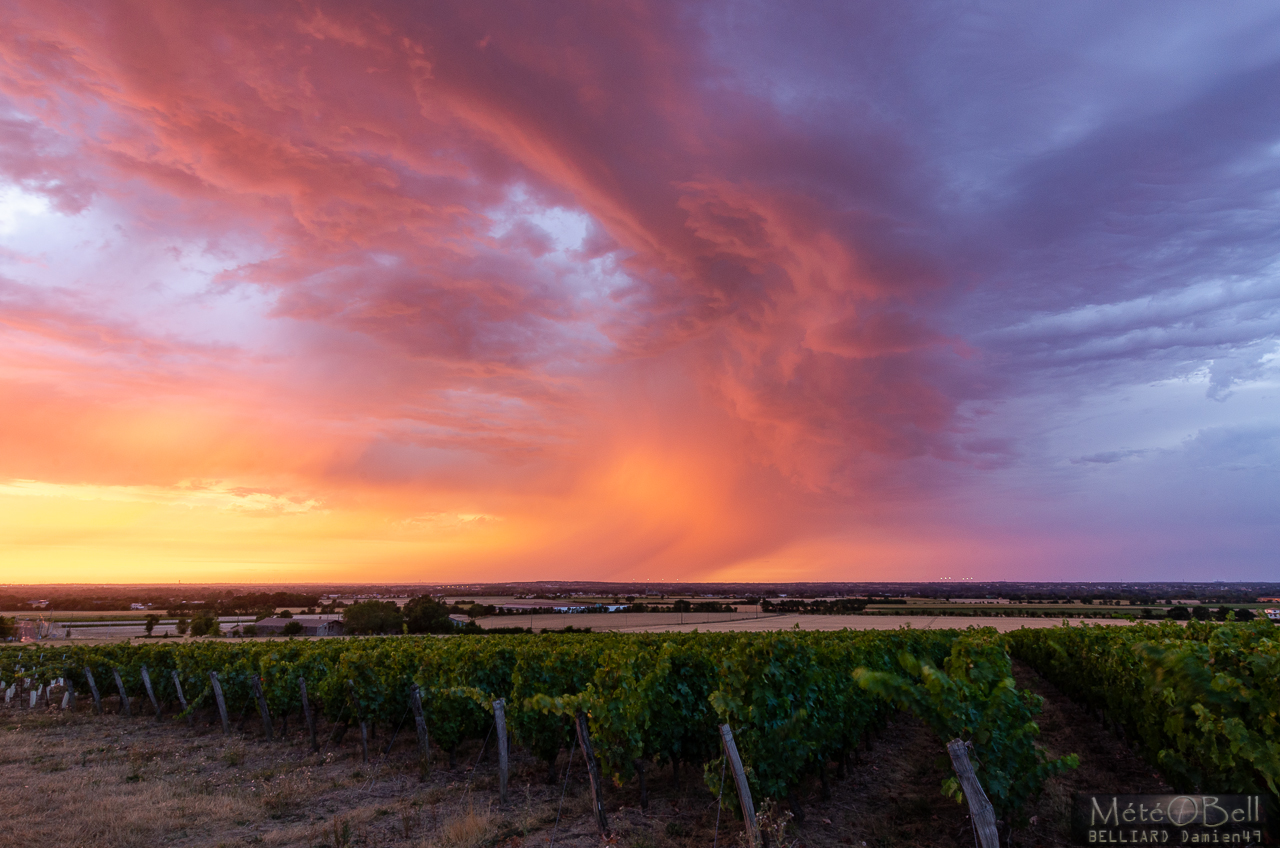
x=319 y=241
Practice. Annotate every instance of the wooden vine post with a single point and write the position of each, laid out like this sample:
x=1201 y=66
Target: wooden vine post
x=124 y=698
x=415 y=701
x=182 y=699
x=306 y=712
x=221 y=702
x=744 y=790
x=146 y=684
x=644 y=786
x=93 y=689
x=500 y=719
x=364 y=727
x=980 y=809
x=593 y=772
x=256 y=682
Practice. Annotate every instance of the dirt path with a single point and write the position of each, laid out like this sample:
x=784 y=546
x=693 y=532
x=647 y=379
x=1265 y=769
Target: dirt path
x=1107 y=765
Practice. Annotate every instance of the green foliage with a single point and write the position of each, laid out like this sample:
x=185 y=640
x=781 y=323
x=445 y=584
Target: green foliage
x=1201 y=701
x=791 y=704
x=974 y=698
x=372 y=617
x=206 y=624
x=427 y=615
x=554 y=674
x=652 y=698
x=768 y=693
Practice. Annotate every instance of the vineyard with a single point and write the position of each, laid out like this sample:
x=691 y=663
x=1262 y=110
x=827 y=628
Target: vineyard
x=1198 y=702
x=1201 y=702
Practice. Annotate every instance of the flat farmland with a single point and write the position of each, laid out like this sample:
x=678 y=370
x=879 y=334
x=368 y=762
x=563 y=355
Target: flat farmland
x=753 y=622
x=661 y=622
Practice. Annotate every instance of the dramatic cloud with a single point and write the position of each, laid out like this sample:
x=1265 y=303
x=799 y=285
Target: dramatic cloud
x=511 y=290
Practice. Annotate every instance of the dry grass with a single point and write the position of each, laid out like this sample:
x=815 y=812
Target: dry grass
x=468 y=827
x=286 y=794
x=113 y=782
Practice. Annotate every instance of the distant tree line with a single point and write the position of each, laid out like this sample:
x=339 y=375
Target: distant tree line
x=226 y=603
x=422 y=614
x=1201 y=612
x=839 y=606
x=248 y=604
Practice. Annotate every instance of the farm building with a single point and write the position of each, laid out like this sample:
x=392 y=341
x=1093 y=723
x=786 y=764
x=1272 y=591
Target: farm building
x=310 y=626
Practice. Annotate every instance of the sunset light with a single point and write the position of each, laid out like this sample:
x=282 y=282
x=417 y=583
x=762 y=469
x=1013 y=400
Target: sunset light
x=474 y=291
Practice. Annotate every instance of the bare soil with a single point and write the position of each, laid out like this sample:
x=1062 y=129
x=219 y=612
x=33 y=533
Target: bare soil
x=78 y=779
x=1107 y=764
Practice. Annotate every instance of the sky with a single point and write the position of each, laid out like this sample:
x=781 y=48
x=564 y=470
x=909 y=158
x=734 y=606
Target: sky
x=704 y=291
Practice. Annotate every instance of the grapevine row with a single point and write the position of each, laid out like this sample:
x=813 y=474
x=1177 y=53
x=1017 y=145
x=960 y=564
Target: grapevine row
x=1201 y=702
x=796 y=701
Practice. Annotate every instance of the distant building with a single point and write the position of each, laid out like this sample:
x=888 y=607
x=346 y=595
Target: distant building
x=38 y=604
x=558 y=606
x=1273 y=614
x=1269 y=600
x=310 y=627
x=139 y=606
x=979 y=600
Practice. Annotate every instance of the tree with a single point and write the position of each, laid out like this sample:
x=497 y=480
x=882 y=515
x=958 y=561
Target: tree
x=151 y=622
x=293 y=628
x=182 y=626
x=1180 y=613
x=205 y=624
x=425 y=614
x=1201 y=613
x=372 y=617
